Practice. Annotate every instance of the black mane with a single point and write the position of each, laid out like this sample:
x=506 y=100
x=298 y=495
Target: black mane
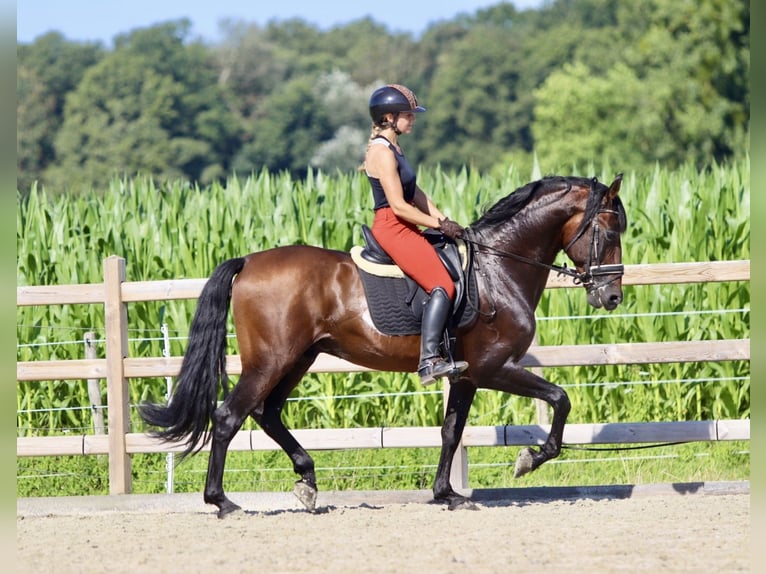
x=517 y=200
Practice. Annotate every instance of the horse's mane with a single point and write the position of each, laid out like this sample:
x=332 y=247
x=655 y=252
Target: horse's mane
x=517 y=200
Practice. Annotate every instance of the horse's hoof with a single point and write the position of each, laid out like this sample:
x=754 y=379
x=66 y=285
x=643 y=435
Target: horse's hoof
x=227 y=508
x=524 y=462
x=307 y=494
x=455 y=501
x=462 y=503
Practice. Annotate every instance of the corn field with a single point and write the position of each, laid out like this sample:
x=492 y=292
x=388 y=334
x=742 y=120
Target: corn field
x=177 y=230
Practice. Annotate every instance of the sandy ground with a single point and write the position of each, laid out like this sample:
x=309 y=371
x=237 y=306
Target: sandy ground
x=662 y=532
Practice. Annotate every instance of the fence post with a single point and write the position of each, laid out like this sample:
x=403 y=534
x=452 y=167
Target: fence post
x=169 y=459
x=117 y=395
x=94 y=387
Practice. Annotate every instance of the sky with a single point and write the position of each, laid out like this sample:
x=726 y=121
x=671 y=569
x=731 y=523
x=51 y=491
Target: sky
x=102 y=20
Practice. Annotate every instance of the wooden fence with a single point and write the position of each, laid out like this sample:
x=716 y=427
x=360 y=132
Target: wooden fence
x=117 y=368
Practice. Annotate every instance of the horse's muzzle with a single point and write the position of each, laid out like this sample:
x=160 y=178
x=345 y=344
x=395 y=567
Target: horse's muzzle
x=608 y=298
x=605 y=286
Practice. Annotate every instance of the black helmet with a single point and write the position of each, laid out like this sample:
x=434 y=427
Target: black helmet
x=392 y=98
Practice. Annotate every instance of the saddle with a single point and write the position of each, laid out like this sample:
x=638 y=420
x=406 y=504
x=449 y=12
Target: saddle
x=396 y=301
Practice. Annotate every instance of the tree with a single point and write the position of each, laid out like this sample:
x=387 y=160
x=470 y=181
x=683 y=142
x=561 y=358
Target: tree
x=699 y=51
x=35 y=128
x=674 y=90
x=472 y=102
x=582 y=117
x=152 y=107
x=345 y=103
x=251 y=67
x=290 y=125
x=46 y=72
x=369 y=53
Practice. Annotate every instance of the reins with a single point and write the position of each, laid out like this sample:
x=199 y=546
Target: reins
x=485 y=249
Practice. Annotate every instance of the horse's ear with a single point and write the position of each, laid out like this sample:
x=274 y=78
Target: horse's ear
x=614 y=187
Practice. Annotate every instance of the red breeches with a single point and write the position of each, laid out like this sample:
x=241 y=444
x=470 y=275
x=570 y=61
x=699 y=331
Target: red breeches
x=411 y=251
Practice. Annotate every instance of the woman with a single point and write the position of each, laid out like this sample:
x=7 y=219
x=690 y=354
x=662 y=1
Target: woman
x=401 y=208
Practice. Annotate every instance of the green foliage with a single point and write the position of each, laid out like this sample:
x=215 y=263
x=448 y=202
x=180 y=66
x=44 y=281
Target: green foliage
x=45 y=73
x=672 y=93
x=392 y=469
x=478 y=71
x=288 y=134
x=369 y=53
x=579 y=115
x=151 y=107
x=640 y=82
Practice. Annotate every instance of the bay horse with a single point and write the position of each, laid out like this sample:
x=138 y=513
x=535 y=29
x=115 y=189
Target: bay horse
x=293 y=302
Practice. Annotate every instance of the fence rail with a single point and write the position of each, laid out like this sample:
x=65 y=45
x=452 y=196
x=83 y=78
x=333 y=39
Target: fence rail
x=133 y=291
x=115 y=293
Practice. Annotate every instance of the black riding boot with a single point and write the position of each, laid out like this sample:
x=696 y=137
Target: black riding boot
x=432 y=366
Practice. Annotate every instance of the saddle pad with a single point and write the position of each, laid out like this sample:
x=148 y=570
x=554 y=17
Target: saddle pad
x=387 y=300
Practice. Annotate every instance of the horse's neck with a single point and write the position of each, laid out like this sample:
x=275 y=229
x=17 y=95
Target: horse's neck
x=537 y=239
x=534 y=237
x=527 y=248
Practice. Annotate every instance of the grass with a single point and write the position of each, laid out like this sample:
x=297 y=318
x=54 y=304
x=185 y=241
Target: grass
x=397 y=469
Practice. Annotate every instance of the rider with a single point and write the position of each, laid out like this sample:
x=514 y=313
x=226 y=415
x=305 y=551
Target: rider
x=400 y=207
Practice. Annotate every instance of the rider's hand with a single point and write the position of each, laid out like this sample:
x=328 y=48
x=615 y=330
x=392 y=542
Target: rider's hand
x=451 y=228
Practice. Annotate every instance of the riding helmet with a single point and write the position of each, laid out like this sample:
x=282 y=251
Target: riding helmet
x=392 y=98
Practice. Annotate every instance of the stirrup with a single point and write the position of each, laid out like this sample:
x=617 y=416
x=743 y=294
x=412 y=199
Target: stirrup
x=435 y=368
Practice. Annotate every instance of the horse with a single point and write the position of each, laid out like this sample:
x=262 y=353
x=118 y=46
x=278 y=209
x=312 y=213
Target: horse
x=293 y=302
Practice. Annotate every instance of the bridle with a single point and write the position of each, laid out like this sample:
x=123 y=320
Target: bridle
x=589 y=278
x=593 y=277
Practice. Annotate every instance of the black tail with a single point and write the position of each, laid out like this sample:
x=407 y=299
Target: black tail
x=187 y=414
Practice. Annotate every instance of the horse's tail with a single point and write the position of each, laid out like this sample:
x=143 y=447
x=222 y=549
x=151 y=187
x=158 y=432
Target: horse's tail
x=188 y=412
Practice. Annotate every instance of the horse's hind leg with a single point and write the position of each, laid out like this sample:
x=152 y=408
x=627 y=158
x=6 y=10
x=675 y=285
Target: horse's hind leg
x=268 y=416
x=461 y=396
x=227 y=420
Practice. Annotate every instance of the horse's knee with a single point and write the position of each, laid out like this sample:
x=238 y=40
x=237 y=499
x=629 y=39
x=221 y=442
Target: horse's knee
x=560 y=402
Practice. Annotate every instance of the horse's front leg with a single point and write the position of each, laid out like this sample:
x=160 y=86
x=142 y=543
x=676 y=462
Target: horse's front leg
x=459 y=402
x=519 y=381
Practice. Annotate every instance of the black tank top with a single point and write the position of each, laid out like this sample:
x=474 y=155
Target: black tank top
x=406 y=176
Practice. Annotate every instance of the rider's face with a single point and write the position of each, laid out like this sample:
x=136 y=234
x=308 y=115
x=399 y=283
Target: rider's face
x=405 y=121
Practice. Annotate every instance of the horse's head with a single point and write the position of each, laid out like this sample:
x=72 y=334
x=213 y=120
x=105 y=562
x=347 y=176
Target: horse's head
x=591 y=239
